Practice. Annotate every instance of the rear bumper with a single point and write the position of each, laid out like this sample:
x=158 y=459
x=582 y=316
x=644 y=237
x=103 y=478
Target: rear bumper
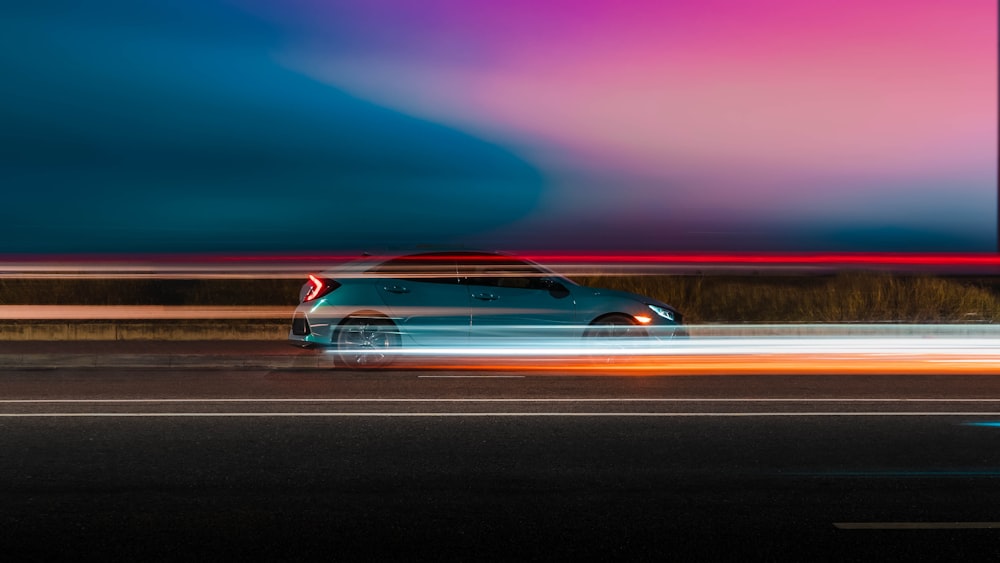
x=300 y=325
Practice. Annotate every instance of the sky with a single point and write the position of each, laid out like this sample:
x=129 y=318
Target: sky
x=314 y=125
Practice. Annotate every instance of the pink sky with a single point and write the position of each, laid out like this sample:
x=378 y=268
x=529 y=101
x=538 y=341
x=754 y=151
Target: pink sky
x=783 y=99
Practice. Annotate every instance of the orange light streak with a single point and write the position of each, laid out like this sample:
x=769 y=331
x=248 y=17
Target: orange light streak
x=792 y=364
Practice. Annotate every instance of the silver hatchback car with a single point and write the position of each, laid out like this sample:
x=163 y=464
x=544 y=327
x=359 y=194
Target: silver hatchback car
x=370 y=309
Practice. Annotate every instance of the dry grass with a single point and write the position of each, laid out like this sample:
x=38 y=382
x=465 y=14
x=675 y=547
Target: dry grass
x=846 y=297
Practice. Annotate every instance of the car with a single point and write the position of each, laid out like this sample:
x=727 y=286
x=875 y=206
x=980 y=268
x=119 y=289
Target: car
x=368 y=310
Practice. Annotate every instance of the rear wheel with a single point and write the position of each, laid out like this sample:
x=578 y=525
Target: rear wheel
x=364 y=343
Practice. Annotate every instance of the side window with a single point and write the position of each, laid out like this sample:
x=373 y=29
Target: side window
x=502 y=272
x=479 y=273
x=427 y=268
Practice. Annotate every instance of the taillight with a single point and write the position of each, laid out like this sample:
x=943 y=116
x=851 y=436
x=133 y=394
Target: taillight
x=318 y=287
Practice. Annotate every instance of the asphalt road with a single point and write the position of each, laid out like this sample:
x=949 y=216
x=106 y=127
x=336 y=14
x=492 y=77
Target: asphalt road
x=167 y=464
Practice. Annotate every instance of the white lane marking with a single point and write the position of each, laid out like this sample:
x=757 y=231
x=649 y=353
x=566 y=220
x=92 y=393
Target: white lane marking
x=496 y=400
x=917 y=525
x=486 y=414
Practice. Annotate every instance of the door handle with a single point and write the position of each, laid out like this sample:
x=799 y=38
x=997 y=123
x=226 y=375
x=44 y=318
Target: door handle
x=486 y=297
x=396 y=289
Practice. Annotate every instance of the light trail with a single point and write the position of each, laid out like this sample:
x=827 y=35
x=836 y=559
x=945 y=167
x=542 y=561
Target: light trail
x=507 y=400
x=141 y=312
x=843 y=365
x=288 y=266
x=750 y=349
x=710 y=349
x=498 y=414
x=778 y=350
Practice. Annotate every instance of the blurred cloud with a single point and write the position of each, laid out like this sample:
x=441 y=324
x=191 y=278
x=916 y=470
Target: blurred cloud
x=149 y=133
x=247 y=124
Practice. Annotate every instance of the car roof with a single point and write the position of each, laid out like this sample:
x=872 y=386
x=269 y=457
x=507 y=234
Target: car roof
x=371 y=260
x=465 y=253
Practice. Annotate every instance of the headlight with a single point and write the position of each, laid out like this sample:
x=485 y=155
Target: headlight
x=665 y=313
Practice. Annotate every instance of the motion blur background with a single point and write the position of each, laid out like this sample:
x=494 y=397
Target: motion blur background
x=308 y=125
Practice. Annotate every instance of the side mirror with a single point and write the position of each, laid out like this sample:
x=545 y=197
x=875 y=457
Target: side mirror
x=554 y=287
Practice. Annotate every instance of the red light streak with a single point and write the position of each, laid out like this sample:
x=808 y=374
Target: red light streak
x=609 y=257
x=290 y=265
x=915 y=259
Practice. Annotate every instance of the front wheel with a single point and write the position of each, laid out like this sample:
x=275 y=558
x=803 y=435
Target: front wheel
x=364 y=343
x=613 y=326
x=613 y=330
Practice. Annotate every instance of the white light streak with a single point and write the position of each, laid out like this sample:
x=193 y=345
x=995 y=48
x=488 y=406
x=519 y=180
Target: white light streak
x=140 y=312
x=972 y=349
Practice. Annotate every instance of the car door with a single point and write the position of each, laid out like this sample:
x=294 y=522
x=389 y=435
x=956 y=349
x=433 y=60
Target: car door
x=426 y=300
x=513 y=300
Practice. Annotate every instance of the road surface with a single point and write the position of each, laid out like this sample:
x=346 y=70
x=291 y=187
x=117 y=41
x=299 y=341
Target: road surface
x=291 y=464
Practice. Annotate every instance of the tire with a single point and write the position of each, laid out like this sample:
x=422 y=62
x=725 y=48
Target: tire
x=366 y=342
x=614 y=325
